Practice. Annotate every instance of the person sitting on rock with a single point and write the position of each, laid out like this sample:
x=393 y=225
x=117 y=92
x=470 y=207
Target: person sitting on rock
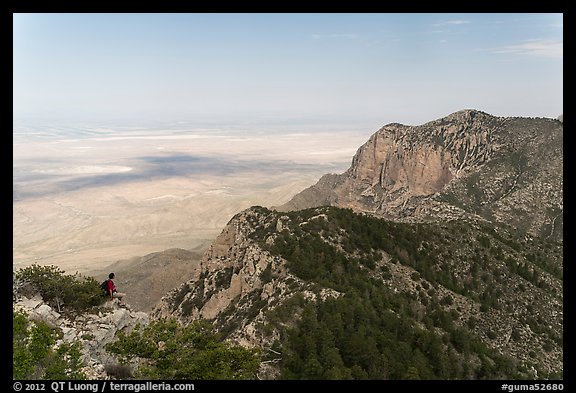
x=112 y=292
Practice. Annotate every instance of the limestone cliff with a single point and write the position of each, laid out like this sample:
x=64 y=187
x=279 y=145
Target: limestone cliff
x=238 y=284
x=468 y=164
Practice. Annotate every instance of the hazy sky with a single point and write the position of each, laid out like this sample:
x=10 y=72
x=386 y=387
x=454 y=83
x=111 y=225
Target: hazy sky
x=308 y=68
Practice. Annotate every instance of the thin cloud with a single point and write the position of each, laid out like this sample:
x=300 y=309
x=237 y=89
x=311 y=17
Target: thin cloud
x=542 y=48
x=348 y=36
x=451 y=23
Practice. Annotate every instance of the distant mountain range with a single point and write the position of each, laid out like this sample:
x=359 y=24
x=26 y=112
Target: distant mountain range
x=437 y=255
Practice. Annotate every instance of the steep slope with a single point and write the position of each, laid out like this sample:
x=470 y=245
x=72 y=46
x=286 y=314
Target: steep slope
x=237 y=279
x=464 y=165
x=482 y=296
x=437 y=254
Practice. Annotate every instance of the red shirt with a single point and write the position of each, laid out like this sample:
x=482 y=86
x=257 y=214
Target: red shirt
x=111 y=286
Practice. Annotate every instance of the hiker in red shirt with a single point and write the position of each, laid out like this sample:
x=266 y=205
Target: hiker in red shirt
x=112 y=292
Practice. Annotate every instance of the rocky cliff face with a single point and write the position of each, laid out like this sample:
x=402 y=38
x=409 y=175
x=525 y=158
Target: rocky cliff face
x=240 y=284
x=468 y=164
x=232 y=268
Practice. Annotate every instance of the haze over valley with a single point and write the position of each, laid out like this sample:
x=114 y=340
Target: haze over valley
x=85 y=197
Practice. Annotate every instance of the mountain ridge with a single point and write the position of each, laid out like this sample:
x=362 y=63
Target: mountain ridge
x=254 y=285
x=422 y=173
x=458 y=220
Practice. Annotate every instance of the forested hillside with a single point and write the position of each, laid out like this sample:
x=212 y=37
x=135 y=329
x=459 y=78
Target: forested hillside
x=361 y=297
x=441 y=323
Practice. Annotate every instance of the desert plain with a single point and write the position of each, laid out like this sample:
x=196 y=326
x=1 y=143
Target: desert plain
x=92 y=199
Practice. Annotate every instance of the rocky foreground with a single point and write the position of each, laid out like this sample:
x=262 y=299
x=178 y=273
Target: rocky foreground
x=92 y=331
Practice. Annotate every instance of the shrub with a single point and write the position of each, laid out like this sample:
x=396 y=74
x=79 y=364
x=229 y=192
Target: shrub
x=266 y=275
x=191 y=352
x=118 y=371
x=33 y=356
x=59 y=290
x=447 y=300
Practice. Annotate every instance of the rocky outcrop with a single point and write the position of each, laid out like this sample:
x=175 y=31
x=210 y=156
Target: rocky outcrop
x=239 y=285
x=468 y=164
x=92 y=331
